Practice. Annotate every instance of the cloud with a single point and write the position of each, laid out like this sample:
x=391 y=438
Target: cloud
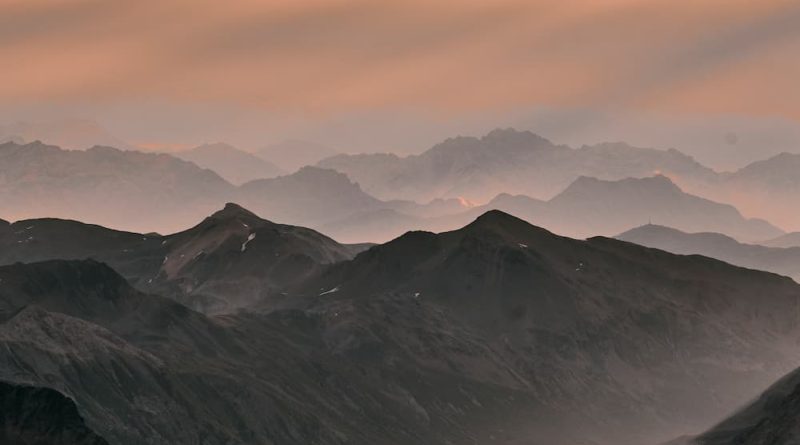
x=333 y=56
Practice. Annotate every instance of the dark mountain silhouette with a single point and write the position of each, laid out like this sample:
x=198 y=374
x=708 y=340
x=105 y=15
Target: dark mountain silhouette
x=236 y=166
x=784 y=261
x=37 y=416
x=587 y=305
x=292 y=154
x=506 y=161
x=122 y=189
x=230 y=259
x=497 y=330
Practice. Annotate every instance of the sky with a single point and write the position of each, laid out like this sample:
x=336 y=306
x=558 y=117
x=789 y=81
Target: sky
x=367 y=75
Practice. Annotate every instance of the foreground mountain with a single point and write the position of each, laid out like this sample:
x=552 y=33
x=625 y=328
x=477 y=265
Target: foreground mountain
x=231 y=259
x=583 y=314
x=771 y=419
x=784 y=261
x=39 y=416
x=506 y=161
x=497 y=332
x=236 y=166
x=122 y=189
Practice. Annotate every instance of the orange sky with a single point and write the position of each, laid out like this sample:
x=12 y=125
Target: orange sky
x=699 y=56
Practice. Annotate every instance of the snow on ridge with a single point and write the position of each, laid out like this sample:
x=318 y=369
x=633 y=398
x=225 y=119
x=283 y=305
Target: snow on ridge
x=250 y=237
x=331 y=291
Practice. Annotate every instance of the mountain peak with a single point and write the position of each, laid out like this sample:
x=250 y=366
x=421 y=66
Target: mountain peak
x=514 y=135
x=234 y=211
x=503 y=223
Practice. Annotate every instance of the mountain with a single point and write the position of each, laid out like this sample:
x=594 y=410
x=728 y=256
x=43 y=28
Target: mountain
x=73 y=134
x=506 y=161
x=788 y=240
x=311 y=196
x=123 y=189
x=290 y=155
x=497 y=332
x=770 y=187
x=231 y=259
x=630 y=323
x=593 y=206
x=38 y=416
x=236 y=166
x=771 y=419
x=784 y=261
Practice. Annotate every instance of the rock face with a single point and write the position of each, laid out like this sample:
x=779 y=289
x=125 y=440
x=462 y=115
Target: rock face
x=41 y=416
x=496 y=332
x=784 y=261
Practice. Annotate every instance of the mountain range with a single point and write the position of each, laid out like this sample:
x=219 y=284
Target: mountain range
x=784 y=261
x=498 y=331
x=230 y=259
x=236 y=166
x=506 y=161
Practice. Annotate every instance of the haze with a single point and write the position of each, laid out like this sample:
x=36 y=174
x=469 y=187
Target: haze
x=716 y=79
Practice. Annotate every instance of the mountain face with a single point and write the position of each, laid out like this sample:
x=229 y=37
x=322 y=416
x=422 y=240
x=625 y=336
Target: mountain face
x=592 y=206
x=628 y=322
x=291 y=155
x=39 y=416
x=122 y=189
x=784 y=261
x=499 y=331
x=505 y=161
x=311 y=196
x=771 y=419
x=236 y=166
x=229 y=260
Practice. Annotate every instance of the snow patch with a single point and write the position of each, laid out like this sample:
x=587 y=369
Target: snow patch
x=250 y=237
x=335 y=289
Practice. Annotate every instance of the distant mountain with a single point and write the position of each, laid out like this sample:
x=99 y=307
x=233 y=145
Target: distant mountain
x=38 y=416
x=788 y=240
x=121 y=189
x=506 y=161
x=310 y=196
x=770 y=187
x=73 y=134
x=231 y=259
x=784 y=261
x=591 y=206
x=236 y=166
x=290 y=155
